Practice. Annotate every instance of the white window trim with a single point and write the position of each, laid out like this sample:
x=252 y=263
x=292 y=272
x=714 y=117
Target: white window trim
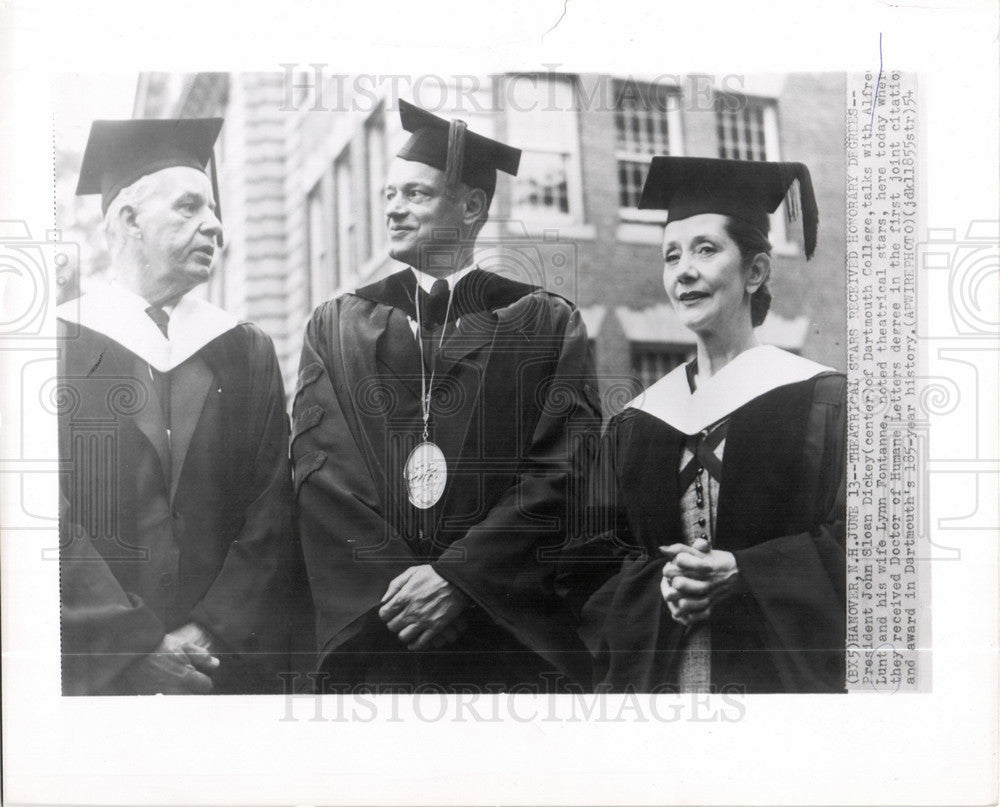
x=376 y=241
x=573 y=231
x=544 y=216
x=778 y=236
x=319 y=285
x=633 y=215
x=648 y=231
x=675 y=148
x=344 y=273
x=540 y=217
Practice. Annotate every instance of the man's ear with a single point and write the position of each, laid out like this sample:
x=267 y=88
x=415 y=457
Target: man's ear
x=127 y=217
x=759 y=272
x=476 y=206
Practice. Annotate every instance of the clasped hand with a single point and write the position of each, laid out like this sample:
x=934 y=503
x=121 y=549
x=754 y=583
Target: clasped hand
x=423 y=609
x=180 y=665
x=695 y=578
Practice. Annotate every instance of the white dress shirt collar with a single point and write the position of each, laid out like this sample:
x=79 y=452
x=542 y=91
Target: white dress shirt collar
x=426 y=281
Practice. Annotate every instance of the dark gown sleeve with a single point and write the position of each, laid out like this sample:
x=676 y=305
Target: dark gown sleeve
x=104 y=628
x=249 y=606
x=602 y=540
x=509 y=563
x=612 y=581
x=798 y=581
x=351 y=551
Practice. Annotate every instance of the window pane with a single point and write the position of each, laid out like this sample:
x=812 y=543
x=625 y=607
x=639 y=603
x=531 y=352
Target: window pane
x=741 y=132
x=541 y=181
x=375 y=146
x=541 y=119
x=631 y=177
x=346 y=229
x=759 y=120
x=642 y=129
x=651 y=362
x=620 y=126
x=319 y=280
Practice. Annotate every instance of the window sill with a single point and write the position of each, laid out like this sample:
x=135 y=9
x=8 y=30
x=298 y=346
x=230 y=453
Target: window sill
x=554 y=231
x=635 y=232
x=786 y=249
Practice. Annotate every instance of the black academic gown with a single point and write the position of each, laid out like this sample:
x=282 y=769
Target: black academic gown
x=155 y=534
x=515 y=412
x=780 y=512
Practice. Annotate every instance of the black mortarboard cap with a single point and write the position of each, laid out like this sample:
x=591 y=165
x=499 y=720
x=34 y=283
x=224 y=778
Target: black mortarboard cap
x=745 y=189
x=121 y=151
x=450 y=147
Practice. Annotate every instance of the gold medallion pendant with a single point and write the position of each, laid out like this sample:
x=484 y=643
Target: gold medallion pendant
x=425 y=474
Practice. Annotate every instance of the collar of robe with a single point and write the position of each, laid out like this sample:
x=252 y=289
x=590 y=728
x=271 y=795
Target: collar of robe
x=121 y=315
x=750 y=375
x=476 y=291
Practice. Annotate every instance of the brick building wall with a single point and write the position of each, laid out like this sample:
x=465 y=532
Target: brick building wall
x=813 y=131
x=303 y=213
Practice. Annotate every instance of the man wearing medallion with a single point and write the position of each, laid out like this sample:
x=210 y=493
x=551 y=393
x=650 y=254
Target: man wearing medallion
x=176 y=510
x=439 y=416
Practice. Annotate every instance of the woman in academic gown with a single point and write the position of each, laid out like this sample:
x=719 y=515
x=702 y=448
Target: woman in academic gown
x=716 y=559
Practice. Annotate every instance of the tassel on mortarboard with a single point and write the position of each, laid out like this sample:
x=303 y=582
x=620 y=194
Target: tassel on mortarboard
x=810 y=212
x=456 y=155
x=800 y=202
x=792 y=203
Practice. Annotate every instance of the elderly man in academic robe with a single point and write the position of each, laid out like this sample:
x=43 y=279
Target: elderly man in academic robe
x=440 y=417
x=177 y=539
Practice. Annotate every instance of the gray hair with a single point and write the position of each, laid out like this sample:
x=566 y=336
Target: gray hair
x=132 y=196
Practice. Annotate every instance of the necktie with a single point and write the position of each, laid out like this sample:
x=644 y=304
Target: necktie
x=432 y=318
x=161 y=380
x=437 y=303
x=160 y=317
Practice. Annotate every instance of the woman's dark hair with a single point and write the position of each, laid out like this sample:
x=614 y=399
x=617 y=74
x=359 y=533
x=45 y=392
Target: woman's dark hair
x=751 y=242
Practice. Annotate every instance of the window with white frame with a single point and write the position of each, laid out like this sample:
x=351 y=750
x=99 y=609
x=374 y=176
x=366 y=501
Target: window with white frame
x=747 y=129
x=317 y=247
x=647 y=123
x=346 y=223
x=542 y=122
x=375 y=146
x=741 y=129
x=651 y=360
